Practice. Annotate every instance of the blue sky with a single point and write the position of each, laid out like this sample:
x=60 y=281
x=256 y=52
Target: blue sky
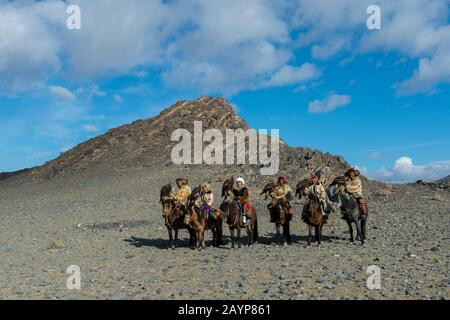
x=380 y=98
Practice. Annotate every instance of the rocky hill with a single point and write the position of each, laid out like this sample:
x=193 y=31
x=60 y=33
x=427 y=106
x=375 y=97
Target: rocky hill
x=445 y=180
x=147 y=144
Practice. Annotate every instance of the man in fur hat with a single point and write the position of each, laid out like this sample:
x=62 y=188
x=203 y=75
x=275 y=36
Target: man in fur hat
x=282 y=192
x=180 y=196
x=318 y=190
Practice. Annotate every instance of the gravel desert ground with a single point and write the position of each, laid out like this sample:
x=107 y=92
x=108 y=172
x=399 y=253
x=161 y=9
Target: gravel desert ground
x=110 y=225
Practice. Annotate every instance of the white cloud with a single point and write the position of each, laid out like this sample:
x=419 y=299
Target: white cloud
x=289 y=75
x=221 y=46
x=215 y=46
x=417 y=29
x=28 y=50
x=329 y=104
x=61 y=93
x=90 y=128
x=404 y=170
x=117 y=98
x=92 y=91
x=375 y=155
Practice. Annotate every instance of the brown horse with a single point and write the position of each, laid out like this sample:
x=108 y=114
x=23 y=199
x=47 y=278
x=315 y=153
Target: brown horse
x=314 y=219
x=313 y=215
x=201 y=221
x=232 y=210
x=173 y=217
x=280 y=214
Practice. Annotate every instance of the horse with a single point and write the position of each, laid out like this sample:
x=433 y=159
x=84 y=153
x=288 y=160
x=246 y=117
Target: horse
x=349 y=208
x=313 y=216
x=173 y=217
x=281 y=216
x=231 y=208
x=200 y=221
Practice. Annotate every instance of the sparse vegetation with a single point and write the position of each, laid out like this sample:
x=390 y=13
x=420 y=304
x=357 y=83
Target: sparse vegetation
x=385 y=191
x=439 y=196
x=58 y=242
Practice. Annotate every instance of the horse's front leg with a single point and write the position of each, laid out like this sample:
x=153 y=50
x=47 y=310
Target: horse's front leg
x=232 y=237
x=287 y=232
x=317 y=232
x=203 y=236
x=220 y=232
x=358 y=232
x=169 y=230
x=350 y=228
x=309 y=235
x=176 y=238
x=364 y=227
x=249 y=235
x=192 y=237
x=214 y=235
x=239 y=237
x=278 y=227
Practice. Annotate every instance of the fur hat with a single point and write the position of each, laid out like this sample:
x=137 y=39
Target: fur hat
x=185 y=181
x=351 y=170
x=205 y=186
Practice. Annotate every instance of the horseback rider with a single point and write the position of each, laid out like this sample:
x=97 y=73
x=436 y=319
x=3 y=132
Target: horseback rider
x=317 y=189
x=353 y=186
x=207 y=199
x=180 y=197
x=280 y=194
x=242 y=194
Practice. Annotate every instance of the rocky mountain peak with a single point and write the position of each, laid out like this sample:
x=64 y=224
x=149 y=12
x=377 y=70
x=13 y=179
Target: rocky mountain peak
x=147 y=144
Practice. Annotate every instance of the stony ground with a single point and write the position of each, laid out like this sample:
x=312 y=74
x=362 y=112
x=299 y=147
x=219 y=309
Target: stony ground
x=111 y=227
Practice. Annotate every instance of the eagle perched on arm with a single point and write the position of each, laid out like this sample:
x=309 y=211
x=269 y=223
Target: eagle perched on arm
x=268 y=189
x=165 y=192
x=301 y=186
x=227 y=186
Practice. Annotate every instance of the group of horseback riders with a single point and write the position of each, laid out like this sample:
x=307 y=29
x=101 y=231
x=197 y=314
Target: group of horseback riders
x=181 y=193
x=280 y=193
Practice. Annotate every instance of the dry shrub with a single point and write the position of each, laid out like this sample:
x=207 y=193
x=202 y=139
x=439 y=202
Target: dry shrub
x=439 y=196
x=58 y=242
x=385 y=192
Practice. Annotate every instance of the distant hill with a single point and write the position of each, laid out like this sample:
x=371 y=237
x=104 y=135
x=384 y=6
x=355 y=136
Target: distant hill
x=147 y=143
x=443 y=180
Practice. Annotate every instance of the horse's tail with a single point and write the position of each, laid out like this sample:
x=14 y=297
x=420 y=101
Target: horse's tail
x=255 y=230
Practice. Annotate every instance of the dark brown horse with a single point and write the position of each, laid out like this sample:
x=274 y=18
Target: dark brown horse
x=232 y=210
x=173 y=217
x=280 y=215
x=313 y=215
x=314 y=218
x=201 y=220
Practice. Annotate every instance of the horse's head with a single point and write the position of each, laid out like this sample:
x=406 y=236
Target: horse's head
x=339 y=198
x=313 y=200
